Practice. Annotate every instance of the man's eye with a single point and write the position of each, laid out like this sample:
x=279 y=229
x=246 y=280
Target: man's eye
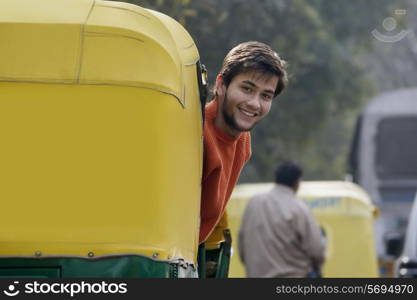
x=267 y=97
x=247 y=89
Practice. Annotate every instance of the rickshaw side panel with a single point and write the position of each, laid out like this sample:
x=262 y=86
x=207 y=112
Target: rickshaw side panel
x=351 y=252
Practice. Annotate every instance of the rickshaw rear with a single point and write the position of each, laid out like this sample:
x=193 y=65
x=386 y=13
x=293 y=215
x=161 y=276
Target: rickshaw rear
x=101 y=129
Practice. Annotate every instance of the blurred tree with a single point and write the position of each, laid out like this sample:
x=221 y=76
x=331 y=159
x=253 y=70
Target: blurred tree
x=322 y=40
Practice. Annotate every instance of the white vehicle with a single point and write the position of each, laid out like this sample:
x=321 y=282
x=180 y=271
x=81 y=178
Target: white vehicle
x=383 y=161
x=406 y=265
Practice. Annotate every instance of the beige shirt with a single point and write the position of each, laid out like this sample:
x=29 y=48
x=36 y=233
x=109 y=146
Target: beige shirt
x=279 y=236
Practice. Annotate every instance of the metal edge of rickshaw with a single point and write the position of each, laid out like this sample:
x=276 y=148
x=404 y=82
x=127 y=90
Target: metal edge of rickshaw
x=71 y=82
x=174 y=260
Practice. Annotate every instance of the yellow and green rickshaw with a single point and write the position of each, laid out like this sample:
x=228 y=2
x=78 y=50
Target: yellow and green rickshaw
x=343 y=210
x=101 y=141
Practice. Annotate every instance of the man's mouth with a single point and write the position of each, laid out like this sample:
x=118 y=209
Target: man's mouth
x=248 y=113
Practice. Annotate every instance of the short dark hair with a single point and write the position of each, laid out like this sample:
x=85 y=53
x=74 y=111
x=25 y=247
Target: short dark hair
x=288 y=173
x=254 y=56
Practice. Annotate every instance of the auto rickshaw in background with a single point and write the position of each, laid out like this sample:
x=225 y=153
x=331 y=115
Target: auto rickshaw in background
x=343 y=210
x=101 y=131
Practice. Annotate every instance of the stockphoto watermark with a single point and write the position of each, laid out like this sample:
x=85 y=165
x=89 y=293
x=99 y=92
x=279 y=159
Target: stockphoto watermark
x=391 y=31
x=72 y=289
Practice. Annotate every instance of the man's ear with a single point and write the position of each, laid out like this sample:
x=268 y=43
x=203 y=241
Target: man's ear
x=296 y=186
x=220 y=86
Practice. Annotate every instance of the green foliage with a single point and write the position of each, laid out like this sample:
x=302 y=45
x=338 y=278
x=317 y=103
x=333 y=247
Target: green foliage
x=322 y=41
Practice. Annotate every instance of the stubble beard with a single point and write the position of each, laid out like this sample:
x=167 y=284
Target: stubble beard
x=230 y=120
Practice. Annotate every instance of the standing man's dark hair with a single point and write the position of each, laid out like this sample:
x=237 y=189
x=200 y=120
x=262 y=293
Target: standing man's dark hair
x=288 y=173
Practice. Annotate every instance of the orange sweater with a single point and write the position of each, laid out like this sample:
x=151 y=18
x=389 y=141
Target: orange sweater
x=224 y=158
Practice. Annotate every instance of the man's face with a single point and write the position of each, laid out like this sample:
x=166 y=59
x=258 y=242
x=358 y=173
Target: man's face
x=245 y=102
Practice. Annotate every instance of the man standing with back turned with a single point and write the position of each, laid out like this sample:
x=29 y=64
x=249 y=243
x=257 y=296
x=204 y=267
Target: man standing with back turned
x=279 y=236
x=251 y=76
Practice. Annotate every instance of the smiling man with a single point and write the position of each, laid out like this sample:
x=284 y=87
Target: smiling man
x=252 y=75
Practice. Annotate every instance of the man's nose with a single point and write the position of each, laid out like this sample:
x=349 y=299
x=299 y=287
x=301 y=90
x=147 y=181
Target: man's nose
x=254 y=102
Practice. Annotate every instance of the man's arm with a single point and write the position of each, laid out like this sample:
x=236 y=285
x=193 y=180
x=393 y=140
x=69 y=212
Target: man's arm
x=312 y=239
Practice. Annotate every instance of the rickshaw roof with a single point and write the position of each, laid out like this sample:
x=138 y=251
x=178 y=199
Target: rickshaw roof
x=309 y=189
x=93 y=42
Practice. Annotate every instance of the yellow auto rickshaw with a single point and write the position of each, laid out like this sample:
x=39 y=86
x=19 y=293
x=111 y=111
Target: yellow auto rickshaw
x=343 y=210
x=101 y=132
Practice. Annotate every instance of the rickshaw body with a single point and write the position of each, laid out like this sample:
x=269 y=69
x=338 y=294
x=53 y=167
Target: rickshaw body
x=101 y=132
x=343 y=211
